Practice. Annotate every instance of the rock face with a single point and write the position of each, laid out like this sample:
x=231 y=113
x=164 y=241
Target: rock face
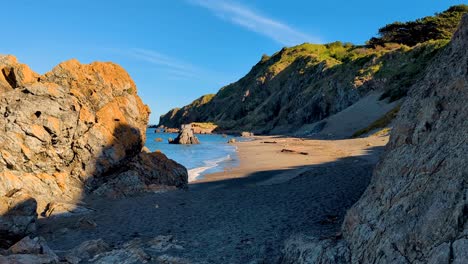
x=69 y=132
x=302 y=85
x=185 y=136
x=415 y=209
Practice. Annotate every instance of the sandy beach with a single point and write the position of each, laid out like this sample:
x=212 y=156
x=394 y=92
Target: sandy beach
x=272 y=153
x=242 y=215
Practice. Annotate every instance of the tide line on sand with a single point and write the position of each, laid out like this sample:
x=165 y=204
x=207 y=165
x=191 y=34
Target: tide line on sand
x=196 y=173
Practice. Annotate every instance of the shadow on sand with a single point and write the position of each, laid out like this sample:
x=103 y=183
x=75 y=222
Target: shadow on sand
x=231 y=220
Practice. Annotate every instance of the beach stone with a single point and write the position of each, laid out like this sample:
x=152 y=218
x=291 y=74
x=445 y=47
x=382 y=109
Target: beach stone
x=185 y=136
x=87 y=250
x=231 y=141
x=29 y=245
x=29 y=250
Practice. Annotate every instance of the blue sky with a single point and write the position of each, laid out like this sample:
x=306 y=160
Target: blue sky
x=178 y=50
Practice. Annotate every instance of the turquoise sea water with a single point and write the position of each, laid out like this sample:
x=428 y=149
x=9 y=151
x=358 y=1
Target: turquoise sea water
x=213 y=154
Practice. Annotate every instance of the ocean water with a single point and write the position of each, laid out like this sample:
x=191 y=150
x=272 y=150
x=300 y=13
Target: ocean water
x=213 y=154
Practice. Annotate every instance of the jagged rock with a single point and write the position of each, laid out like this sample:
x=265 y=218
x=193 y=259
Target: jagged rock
x=186 y=136
x=14 y=74
x=66 y=132
x=29 y=245
x=231 y=141
x=29 y=250
x=18 y=217
x=144 y=172
x=417 y=198
x=303 y=250
x=415 y=209
x=87 y=250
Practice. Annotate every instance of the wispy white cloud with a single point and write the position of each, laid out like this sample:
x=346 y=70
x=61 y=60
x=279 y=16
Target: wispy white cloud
x=254 y=21
x=172 y=66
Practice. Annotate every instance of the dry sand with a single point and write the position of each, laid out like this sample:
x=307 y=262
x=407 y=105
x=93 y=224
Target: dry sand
x=264 y=153
x=240 y=216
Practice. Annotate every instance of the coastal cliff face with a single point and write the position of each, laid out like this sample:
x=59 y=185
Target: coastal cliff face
x=415 y=209
x=305 y=84
x=75 y=130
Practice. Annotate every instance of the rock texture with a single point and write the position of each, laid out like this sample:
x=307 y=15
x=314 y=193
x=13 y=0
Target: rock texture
x=18 y=217
x=185 y=136
x=69 y=132
x=305 y=84
x=415 y=209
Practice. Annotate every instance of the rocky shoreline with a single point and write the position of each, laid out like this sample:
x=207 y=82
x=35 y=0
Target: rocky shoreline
x=75 y=131
x=78 y=186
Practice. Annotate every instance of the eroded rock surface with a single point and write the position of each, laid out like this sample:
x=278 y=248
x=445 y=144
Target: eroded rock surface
x=70 y=131
x=415 y=209
x=186 y=136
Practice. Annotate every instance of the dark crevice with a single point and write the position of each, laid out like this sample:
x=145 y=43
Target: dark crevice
x=10 y=77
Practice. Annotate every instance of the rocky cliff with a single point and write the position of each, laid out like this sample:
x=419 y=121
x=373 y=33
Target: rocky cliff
x=76 y=130
x=415 y=209
x=304 y=84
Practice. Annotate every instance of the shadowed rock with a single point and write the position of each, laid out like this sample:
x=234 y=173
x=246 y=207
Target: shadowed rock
x=185 y=136
x=68 y=133
x=415 y=209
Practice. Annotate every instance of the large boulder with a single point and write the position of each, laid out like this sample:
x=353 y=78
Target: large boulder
x=185 y=136
x=67 y=132
x=415 y=209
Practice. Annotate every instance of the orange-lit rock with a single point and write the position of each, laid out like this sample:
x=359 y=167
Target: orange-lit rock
x=73 y=129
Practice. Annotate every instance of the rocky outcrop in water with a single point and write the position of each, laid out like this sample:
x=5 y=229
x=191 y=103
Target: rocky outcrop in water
x=76 y=130
x=415 y=209
x=185 y=136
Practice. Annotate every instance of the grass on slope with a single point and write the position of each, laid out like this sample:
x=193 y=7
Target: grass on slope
x=382 y=122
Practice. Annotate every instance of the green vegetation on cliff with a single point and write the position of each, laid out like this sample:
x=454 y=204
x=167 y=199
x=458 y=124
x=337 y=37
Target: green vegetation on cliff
x=438 y=27
x=309 y=82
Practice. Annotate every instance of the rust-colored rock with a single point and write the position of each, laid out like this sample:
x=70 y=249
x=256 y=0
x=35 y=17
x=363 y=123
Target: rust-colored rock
x=14 y=74
x=71 y=129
